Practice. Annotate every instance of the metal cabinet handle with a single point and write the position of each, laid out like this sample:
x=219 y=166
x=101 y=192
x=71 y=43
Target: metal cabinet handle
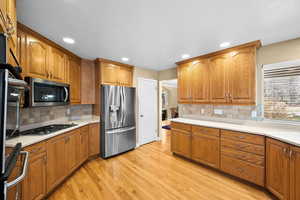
x=36 y=150
x=24 y=171
x=291 y=153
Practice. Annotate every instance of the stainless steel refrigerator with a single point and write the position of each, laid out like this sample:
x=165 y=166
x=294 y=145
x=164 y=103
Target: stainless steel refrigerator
x=118 y=130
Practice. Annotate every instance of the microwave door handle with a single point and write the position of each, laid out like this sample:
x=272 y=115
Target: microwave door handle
x=67 y=94
x=18 y=112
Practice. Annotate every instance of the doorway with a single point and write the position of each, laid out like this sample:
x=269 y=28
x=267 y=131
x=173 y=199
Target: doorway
x=168 y=105
x=147 y=110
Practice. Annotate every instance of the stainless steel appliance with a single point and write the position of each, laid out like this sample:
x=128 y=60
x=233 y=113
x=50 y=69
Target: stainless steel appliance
x=11 y=90
x=45 y=130
x=118 y=130
x=46 y=93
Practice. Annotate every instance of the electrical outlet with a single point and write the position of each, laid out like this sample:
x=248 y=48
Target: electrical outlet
x=202 y=111
x=253 y=114
x=218 y=112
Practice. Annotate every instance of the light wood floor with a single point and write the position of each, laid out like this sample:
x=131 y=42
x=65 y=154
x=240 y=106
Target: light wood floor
x=152 y=172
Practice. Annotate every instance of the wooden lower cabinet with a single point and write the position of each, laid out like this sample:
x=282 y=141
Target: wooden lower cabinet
x=94 y=139
x=295 y=174
x=209 y=153
x=181 y=142
x=277 y=168
x=72 y=143
x=56 y=161
x=84 y=144
x=34 y=187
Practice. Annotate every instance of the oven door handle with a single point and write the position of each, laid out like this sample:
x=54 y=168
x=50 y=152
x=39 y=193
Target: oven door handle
x=24 y=171
x=67 y=94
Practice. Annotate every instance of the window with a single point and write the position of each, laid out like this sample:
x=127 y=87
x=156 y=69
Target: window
x=282 y=91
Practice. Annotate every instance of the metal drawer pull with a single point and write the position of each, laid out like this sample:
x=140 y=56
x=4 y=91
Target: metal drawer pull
x=36 y=150
x=24 y=171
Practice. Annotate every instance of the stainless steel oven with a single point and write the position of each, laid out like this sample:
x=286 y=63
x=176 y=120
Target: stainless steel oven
x=46 y=93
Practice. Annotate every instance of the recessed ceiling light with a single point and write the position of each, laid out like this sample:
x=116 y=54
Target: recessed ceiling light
x=68 y=40
x=184 y=56
x=225 y=44
x=125 y=59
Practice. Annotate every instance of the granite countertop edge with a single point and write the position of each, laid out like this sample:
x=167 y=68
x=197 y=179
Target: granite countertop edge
x=283 y=134
x=33 y=139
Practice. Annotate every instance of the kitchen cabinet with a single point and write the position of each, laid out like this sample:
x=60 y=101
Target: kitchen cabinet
x=56 y=161
x=224 y=77
x=181 y=139
x=21 y=49
x=277 y=168
x=38 y=58
x=84 y=144
x=200 y=81
x=94 y=139
x=241 y=76
x=75 y=80
x=185 y=83
x=71 y=145
x=3 y=16
x=295 y=173
x=34 y=185
x=11 y=19
x=87 y=81
x=57 y=68
x=218 y=77
x=206 y=146
x=114 y=73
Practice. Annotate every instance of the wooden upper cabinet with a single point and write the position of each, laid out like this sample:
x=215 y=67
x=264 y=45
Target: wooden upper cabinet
x=38 y=58
x=295 y=174
x=57 y=67
x=113 y=73
x=11 y=21
x=88 y=81
x=277 y=168
x=109 y=74
x=125 y=76
x=75 y=80
x=219 y=66
x=200 y=81
x=21 y=49
x=185 y=83
x=241 y=76
x=3 y=15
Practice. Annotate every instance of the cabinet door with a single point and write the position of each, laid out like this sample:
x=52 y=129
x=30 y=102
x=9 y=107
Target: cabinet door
x=125 y=76
x=181 y=143
x=75 y=80
x=11 y=14
x=3 y=15
x=56 y=161
x=37 y=52
x=21 y=49
x=109 y=74
x=94 y=139
x=57 y=67
x=72 y=156
x=241 y=76
x=185 y=83
x=34 y=187
x=206 y=149
x=84 y=140
x=200 y=82
x=295 y=173
x=277 y=168
x=218 y=79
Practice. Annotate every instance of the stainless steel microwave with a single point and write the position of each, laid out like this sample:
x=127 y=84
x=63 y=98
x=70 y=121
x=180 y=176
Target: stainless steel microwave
x=46 y=93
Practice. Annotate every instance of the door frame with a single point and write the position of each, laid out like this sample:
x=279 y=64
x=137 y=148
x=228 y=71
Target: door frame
x=138 y=100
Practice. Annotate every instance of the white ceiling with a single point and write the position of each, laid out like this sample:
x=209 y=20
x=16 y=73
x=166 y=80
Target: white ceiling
x=155 y=33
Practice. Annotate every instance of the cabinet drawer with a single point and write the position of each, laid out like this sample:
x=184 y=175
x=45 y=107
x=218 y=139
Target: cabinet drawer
x=244 y=170
x=242 y=146
x=248 y=157
x=200 y=130
x=243 y=137
x=181 y=126
x=36 y=149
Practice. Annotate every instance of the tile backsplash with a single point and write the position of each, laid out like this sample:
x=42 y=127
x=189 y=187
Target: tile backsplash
x=220 y=111
x=44 y=114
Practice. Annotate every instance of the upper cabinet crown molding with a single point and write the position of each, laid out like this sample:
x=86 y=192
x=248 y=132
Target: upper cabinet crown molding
x=256 y=44
x=99 y=60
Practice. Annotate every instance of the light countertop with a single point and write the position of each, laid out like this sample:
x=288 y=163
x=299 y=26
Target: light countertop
x=28 y=140
x=285 y=133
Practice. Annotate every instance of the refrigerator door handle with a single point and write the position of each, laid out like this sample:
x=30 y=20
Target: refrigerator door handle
x=121 y=130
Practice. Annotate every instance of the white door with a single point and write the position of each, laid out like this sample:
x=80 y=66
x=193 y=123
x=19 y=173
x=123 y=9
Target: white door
x=147 y=110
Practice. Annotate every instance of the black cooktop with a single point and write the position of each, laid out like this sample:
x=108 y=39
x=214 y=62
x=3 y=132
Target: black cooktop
x=45 y=130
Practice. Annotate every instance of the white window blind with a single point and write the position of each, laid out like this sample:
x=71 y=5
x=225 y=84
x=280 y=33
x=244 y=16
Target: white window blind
x=282 y=91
